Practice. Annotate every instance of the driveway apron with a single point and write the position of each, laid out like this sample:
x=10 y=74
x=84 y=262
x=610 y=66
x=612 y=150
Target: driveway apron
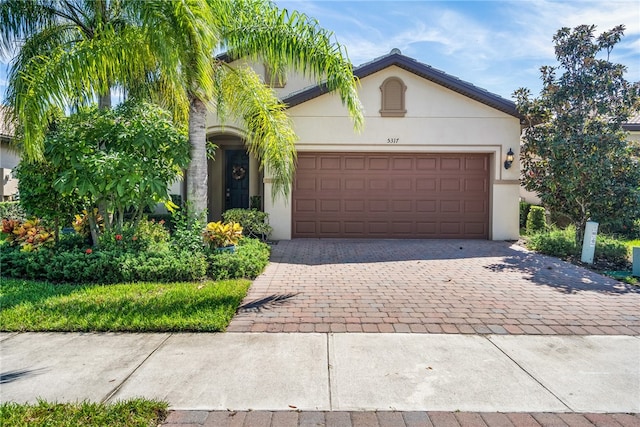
x=432 y=286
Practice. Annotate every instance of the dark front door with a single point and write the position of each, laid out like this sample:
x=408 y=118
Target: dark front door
x=237 y=179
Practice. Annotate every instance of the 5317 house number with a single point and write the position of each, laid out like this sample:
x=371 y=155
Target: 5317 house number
x=393 y=140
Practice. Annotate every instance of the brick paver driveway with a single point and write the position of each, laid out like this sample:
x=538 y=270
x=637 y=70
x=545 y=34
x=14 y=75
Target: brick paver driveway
x=431 y=286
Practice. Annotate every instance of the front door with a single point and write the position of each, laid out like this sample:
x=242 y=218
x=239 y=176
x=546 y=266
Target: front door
x=237 y=179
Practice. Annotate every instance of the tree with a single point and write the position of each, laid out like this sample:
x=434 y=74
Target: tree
x=257 y=30
x=575 y=153
x=70 y=53
x=123 y=159
x=76 y=50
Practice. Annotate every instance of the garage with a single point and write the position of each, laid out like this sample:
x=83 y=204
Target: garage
x=382 y=195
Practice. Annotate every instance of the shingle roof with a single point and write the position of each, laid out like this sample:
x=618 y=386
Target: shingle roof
x=633 y=124
x=439 y=77
x=5 y=130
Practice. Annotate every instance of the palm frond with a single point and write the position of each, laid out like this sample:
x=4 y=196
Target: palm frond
x=270 y=135
x=296 y=41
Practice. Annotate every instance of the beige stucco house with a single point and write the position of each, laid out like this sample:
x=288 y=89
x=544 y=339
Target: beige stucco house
x=430 y=162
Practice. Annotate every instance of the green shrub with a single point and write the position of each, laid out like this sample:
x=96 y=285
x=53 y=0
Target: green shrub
x=164 y=267
x=100 y=266
x=248 y=261
x=524 y=212
x=558 y=243
x=187 y=235
x=255 y=223
x=610 y=250
x=12 y=210
x=71 y=241
x=536 y=221
x=147 y=235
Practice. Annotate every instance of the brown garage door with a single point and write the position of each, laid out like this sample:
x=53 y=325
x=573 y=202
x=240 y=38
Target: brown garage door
x=379 y=195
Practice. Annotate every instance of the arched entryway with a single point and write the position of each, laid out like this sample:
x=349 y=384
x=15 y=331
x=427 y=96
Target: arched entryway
x=234 y=176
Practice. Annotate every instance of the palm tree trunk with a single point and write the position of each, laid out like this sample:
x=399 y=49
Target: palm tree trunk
x=104 y=101
x=197 y=173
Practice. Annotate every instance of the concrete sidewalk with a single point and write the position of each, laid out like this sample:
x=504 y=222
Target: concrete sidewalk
x=328 y=372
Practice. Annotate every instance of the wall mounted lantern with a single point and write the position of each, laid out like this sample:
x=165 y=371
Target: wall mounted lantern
x=509 y=161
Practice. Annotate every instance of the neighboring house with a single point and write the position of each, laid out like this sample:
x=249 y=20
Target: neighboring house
x=428 y=164
x=9 y=159
x=632 y=126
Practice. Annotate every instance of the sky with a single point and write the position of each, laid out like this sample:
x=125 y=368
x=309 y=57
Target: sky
x=496 y=45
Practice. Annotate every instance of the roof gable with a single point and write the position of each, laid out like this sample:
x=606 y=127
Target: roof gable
x=422 y=70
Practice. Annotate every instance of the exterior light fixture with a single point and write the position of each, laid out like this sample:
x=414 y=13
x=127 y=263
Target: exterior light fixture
x=509 y=160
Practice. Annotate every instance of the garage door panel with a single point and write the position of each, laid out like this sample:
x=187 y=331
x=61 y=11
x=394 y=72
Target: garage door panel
x=400 y=206
x=330 y=163
x=330 y=227
x=476 y=164
x=387 y=196
x=475 y=185
x=378 y=163
x=329 y=206
x=377 y=184
x=427 y=164
x=426 y=206
x=450 y=164
x=451 y=228
x=354 y=163
x=354 y=184
x=330 y=184
x=450 y=206
x=450 y=184
x=426 y=184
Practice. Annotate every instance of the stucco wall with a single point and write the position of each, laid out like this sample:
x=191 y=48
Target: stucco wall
x=438 y=120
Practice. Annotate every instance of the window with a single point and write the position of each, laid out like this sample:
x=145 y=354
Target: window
x=393 y=90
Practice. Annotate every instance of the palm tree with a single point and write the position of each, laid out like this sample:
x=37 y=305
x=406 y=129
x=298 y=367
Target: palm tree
x=70 y=52
x=80 y=49
x=253 y=29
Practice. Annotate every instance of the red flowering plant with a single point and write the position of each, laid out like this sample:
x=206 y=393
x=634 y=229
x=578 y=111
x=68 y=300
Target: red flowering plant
x=144 y=236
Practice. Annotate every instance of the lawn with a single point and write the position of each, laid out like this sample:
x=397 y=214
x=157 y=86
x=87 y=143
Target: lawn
x=206 y=306
x=130 y=413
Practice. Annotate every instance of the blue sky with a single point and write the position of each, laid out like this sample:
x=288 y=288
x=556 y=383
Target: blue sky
x=496 y=45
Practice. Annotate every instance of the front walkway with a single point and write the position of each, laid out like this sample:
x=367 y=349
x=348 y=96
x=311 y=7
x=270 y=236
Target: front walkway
x=432 y=286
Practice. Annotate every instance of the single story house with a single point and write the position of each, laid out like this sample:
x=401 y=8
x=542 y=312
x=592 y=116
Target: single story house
x=431 y=161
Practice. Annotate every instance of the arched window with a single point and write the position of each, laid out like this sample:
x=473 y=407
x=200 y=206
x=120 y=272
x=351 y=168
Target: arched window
x=393 y=90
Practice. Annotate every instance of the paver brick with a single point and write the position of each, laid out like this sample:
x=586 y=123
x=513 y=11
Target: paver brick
x=338 y=419
x=496 y=419
x=417 y=419
x=550 y=420
x=430 y=286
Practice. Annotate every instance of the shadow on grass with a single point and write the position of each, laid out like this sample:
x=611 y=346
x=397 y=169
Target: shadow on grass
x=266 y=303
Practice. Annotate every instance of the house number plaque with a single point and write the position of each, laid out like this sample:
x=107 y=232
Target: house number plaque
x=393 y=140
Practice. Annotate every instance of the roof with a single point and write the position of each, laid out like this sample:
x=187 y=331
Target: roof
x=425 y=71
x=5 y=130
x=633 y=124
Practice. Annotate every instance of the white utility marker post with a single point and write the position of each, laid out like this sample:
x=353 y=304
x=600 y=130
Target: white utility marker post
x=589 y=242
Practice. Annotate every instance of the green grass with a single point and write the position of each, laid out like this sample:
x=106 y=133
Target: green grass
x=140 y=307
x=130 y=413
x=631 y=244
